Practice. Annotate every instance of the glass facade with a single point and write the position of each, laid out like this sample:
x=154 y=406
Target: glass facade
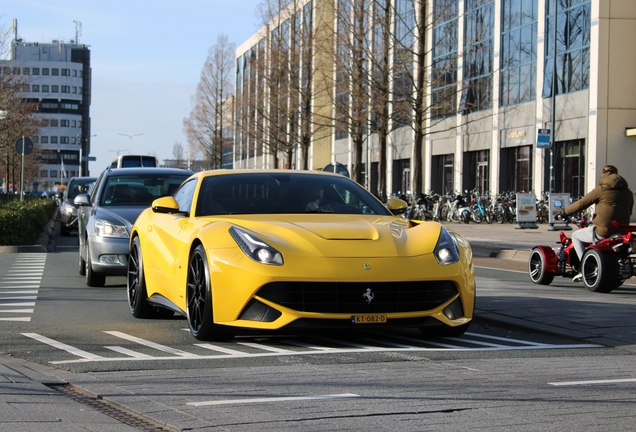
x=444 y=66
x=478 y=55
x=518 y=52
x=572 y=41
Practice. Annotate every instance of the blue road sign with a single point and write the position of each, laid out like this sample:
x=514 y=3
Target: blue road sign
x=89 y=158
x=543 y=138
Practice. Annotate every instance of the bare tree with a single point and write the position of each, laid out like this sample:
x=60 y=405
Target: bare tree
x=207 y=126
x=177 y=153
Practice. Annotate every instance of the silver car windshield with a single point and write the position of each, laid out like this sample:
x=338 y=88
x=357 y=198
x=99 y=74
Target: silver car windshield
x=139 y=190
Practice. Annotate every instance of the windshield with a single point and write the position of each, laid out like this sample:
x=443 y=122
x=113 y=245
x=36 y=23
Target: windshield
x=79 y=187
x=140 y=189
x=265 y=193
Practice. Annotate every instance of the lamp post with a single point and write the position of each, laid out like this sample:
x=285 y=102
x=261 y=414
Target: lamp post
x=130 y=142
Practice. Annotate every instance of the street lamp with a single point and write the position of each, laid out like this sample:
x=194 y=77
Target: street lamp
x=130 y=143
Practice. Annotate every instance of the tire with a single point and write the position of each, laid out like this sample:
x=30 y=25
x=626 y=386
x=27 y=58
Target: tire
x=136 y=284
x=600 y=271
x=536 y=268
x=92 y=279
x=199 y=300
x=81 y=264
x=489 y=217
x=454 y=216
x=476 y=216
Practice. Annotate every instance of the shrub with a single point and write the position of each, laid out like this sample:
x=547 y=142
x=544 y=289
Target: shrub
x=21 y=222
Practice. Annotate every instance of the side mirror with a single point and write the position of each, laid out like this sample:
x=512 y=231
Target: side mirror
x=165 y=205
x=397 y=206
x=82 y=200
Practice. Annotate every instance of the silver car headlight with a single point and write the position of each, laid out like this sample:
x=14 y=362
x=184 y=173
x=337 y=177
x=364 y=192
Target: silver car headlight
x=106 y=229
x=69 y=208
x=447 y=249
x=256 y=248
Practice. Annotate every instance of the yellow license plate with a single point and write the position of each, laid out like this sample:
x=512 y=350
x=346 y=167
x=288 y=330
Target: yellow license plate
x=368 y=319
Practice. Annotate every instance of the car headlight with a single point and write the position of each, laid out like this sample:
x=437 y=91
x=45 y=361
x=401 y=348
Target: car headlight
x=256 y=248
x=69 y=208
x=106 y=229
x=446 y=250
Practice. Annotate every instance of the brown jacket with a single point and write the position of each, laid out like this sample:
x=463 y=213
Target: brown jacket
x=614 y=201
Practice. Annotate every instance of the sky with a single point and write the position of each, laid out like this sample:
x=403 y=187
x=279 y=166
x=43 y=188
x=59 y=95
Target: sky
x=146 y=60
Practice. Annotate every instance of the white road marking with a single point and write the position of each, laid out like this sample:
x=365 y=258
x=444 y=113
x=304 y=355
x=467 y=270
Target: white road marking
x=264 y=347
x=151 y=344
x=128 y=352
x=24 y=319
x=17 y=310
x=18 y=304
x=272 y=399
x=223 y=350
x=20 y=287
x=18 y=292
x=19 y=298
x=575 y=383
x=69 y=349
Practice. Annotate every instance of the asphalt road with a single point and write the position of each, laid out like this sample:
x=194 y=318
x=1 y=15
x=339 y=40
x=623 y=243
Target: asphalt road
x=493 y=378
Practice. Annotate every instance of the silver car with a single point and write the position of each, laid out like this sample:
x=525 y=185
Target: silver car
x=108 y=213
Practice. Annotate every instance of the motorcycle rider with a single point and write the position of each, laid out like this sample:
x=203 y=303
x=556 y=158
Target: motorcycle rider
x=614 y=201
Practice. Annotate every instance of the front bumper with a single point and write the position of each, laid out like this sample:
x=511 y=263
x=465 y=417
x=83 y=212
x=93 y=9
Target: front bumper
x=109 y=256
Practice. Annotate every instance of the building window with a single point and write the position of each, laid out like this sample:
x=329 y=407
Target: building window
x=476 y=171
x=55 y=71
x=518 y=51
x=444 y=76
x=53 y=140
x=66 y=89
x=74 y=72
x=64 y=123
x=53 y=173
x=16 y=71
x=45 y=71
x=442 y=171
x=35 y=139
x=572 y=46
x=44 y=140
x=45 y=88
x=569 y=168
x=516 y=169
x=26 y=71
x=478 y=55
x=44 y=173
x=64 y=140
x=36 y=71
x=35 y=88
x=73 y=123
x=55 y=89
x=66 y=72
x=54 y=123
x=74 y=90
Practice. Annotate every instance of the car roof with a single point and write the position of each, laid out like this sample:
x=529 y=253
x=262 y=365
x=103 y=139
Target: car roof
x=146 y=171
x=267 y=171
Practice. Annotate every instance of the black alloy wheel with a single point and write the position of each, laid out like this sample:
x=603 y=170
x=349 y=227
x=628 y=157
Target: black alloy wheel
x=199 y=299
x=136 y=284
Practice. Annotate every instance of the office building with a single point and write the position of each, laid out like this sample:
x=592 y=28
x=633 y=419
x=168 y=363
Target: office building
x=57 y=76
x=489 y=75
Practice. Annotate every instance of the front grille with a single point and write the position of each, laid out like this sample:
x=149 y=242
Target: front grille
x=349 y=297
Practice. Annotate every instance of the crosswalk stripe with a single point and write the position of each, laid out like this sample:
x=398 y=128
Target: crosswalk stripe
x=150 y=344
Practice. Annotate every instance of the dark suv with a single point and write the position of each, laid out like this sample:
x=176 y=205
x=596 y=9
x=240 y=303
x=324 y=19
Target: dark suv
x=68 y=209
